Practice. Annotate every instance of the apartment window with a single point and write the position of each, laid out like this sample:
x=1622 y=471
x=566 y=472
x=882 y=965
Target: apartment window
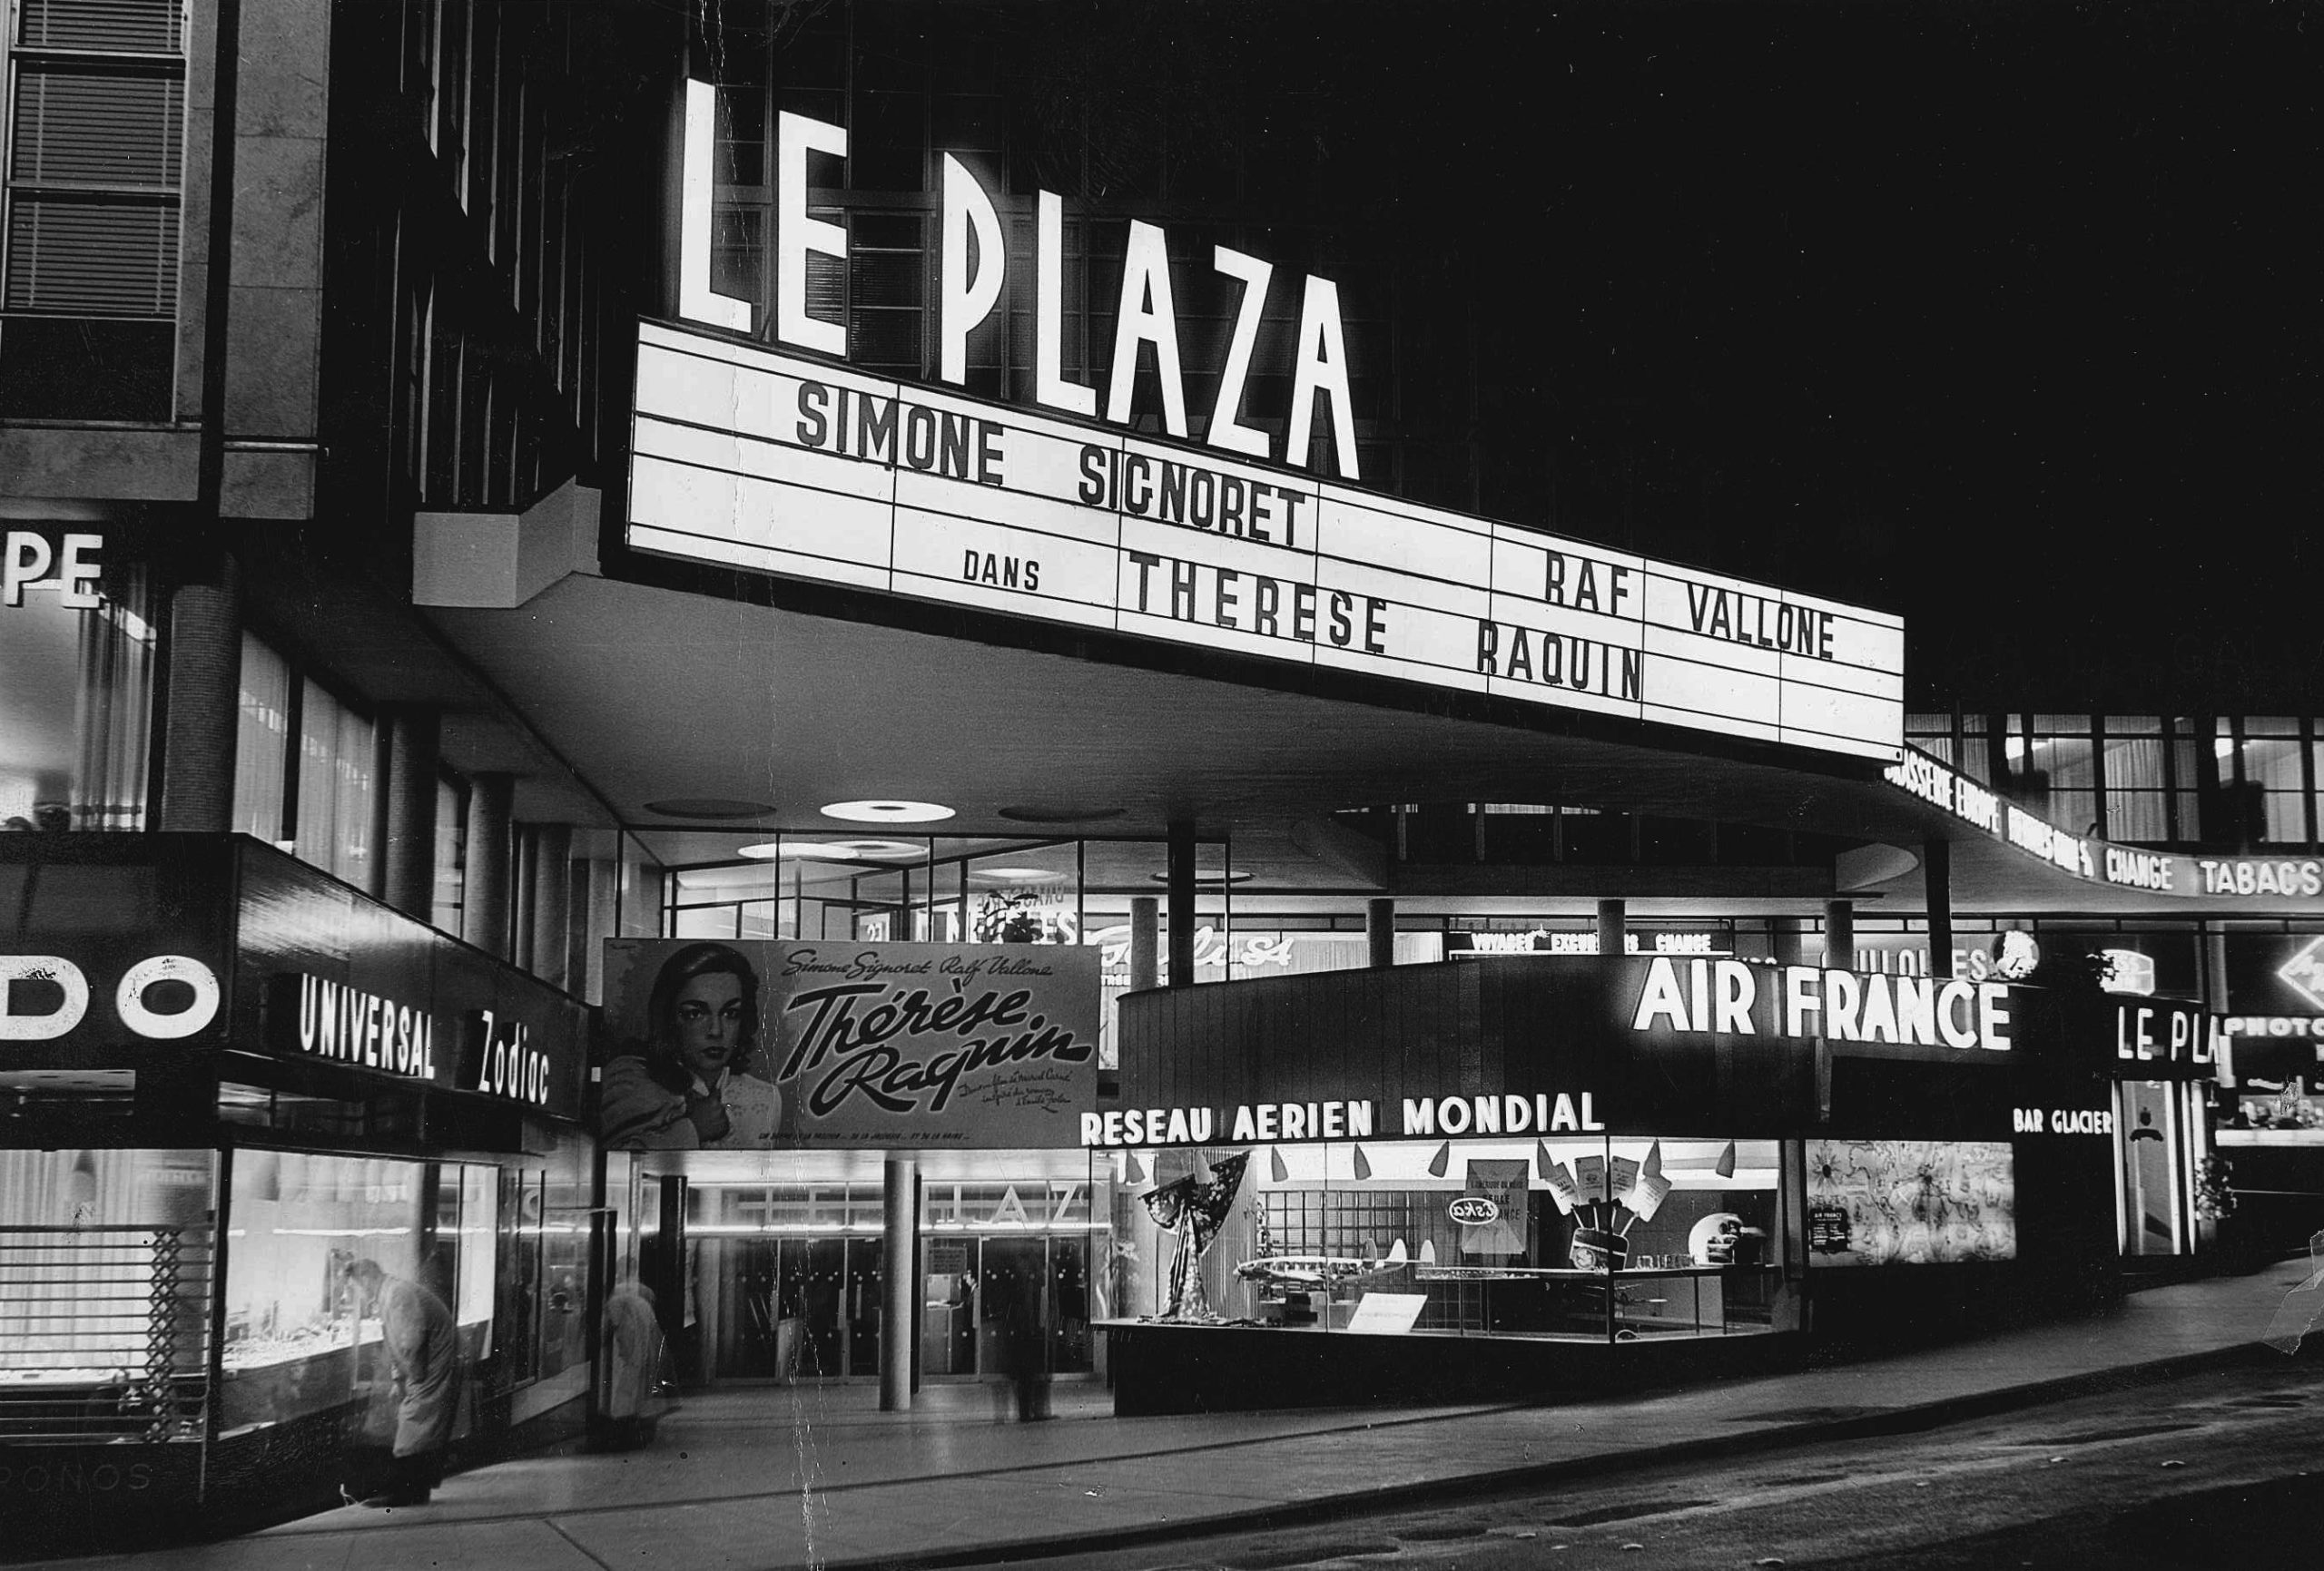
x=2061 y=765
x=2271 y=770
x=451 y=854
x=91 y=195
x=317 y=801
x=2137 y=782
x=262 y=743
x=336 y=786
x=1933 y=734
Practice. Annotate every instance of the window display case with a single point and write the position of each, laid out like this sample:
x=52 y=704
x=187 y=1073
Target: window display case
x=292 y=1342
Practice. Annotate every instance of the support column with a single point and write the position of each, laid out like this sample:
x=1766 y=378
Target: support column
x=1613 y=929
x=1181 y=891
x=1839 y=935
x=202 y=695
x=1380 y=931
x=594 y=923
x=551 y=900
x=1144 y=941
x=898 y=1284
x=1936 y=873
x=484 y=895
x=1789 y=938
x=414 y=755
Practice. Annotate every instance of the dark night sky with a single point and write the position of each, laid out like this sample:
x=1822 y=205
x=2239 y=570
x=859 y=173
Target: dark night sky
x=2003 y=316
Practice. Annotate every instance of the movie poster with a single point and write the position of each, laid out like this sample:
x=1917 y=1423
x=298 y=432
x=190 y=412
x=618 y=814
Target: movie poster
x=780 y=1045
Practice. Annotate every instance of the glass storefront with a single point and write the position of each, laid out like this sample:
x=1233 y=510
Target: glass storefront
x=1592 y=1239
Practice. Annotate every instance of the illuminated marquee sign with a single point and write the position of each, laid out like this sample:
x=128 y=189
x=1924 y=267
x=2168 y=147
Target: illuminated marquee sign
x=969 y=288
x=2099 y=862
x=353 y=1027
x=1541 y=1112
x=2154 y=1033
x=750 y=458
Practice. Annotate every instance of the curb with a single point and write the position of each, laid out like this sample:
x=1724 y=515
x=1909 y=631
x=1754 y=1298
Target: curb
x=1903 y=1421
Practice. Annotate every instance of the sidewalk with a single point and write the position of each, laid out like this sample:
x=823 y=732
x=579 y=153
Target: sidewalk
x=780 y=1477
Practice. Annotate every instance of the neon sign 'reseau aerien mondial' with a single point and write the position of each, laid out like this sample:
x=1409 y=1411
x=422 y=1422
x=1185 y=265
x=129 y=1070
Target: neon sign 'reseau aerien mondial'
x=745 y=455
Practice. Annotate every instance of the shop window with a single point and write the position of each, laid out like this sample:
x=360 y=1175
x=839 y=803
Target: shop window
x=90 y=191
x=296 y=1338
x=1961 y=1202
x=76 y=710
x=1628 y=1239
x=105 y=1294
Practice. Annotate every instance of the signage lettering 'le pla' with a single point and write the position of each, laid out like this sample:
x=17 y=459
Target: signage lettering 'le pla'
x=970 y=286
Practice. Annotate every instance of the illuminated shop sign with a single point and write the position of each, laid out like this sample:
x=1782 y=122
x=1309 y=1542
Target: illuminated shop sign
x=499 y=1059
x=1290 y=1123
x=2098 y=862
x=27 y=560
x=2161 y=1032
x=2254 y=1026
x=969 y=289
x=348 y=1026
x=1735 y=998
x=162 y=997
x=1541 y=941
x=2061 y=1121
x=747 y=457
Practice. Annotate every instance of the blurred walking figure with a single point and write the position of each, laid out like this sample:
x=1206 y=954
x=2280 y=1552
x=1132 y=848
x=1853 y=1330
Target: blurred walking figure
x=1021 y=1348
x=633 y=1332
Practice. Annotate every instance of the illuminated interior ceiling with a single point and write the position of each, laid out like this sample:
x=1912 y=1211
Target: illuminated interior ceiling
x=652 y=694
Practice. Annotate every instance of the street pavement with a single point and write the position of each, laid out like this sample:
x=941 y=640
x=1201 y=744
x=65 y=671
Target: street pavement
x=777 y=1477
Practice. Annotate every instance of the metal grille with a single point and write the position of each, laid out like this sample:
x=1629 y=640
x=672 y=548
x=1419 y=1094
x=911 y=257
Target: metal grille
x=104 y=1332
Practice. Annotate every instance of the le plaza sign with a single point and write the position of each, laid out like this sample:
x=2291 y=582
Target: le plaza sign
x=748 y=456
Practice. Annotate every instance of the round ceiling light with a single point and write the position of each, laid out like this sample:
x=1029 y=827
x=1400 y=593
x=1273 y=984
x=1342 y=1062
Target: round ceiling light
x=1207 y=878
x=1060 y=815
x=1015 y=875
x=709 y=808
x=832 y=850
x=887 y=810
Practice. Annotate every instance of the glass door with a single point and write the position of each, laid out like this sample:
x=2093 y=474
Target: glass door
x=2150 y=1144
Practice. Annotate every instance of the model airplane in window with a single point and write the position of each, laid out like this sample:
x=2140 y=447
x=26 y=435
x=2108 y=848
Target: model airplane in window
x=1309 y=1271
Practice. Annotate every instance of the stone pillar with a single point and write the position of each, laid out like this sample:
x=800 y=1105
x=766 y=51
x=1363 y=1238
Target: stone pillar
x=1937 y=874
x=1181 y=892
x=1380 y=931
x=1144 y=941
x=551 y=900
x=484 y=897
x=596 y=882
x=414 y=754
x=1614 y=918
x=898 y=1284
x=1839 y=935
x=202 y=694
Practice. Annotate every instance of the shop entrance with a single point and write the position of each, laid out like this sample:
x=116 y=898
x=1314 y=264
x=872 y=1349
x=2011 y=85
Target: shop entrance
x=971 y=1287
x=2150 y=1119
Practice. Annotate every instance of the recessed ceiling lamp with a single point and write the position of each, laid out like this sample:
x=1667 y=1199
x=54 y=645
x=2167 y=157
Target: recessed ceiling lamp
x=1207 y=878
x=1060 y=815
x=832 y=850
x=1014 y=875
x=887 y=811
x=709 y=808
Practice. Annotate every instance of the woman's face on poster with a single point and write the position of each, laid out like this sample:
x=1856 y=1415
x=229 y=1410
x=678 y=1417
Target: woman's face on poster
x=710 y=1023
